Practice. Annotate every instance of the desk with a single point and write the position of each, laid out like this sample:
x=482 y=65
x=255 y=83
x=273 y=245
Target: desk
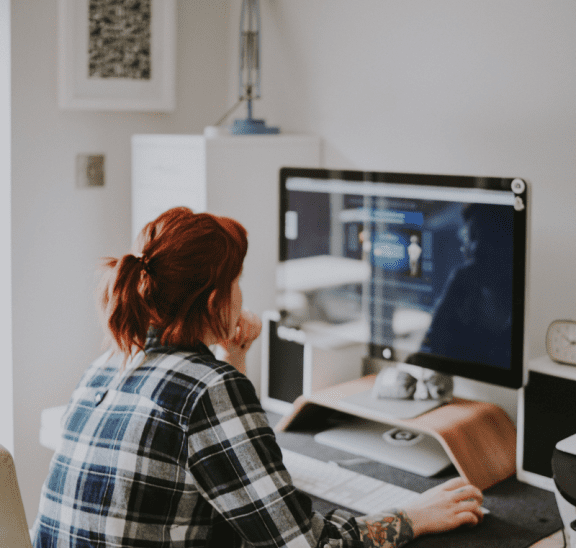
x=509 y=502
x=521 y=515
x=50 y=426
x=553 y=541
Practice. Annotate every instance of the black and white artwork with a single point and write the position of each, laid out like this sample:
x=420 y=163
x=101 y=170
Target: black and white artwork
x=117 y=55
x=119 y=39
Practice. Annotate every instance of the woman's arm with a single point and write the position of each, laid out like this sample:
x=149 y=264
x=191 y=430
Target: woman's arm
x=440 y=509
x=237 y=466
x=391 y=529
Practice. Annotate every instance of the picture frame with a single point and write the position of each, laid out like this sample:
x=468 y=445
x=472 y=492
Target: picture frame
x=117 y=56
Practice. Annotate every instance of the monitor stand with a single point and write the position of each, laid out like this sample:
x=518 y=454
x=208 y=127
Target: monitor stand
x=382 y=442
x=398 y=447
x=478 y=437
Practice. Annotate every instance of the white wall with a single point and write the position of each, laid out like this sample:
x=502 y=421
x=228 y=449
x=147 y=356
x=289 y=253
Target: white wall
x=449 y=86
x=60 y=231
x=6 y=394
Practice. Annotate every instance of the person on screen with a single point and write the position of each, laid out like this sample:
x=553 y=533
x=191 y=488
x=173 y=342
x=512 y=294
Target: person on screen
x=165 y=445
x=473 y=319
x=414 y=252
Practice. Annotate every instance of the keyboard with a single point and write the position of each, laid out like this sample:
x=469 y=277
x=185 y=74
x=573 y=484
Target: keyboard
x=352 y=490
x=344 y=487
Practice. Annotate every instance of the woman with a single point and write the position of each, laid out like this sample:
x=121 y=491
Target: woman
x=164 y=445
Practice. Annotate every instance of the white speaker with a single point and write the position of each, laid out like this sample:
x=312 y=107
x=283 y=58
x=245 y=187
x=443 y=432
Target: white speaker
x=298 y=362
x=546 y=415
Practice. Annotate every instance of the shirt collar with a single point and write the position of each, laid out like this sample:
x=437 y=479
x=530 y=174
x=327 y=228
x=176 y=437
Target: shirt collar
x=153 y=344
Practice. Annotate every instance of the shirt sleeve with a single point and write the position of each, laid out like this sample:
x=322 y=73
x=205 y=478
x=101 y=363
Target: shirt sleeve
x=237 y=466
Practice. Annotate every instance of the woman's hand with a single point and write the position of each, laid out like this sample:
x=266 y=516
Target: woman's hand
x=246 y=332
x=446 y=507
x=248 y=329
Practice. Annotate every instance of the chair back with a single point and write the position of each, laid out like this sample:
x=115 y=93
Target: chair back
x=13 y=526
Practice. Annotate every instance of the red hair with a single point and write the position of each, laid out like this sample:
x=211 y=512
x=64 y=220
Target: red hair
x=179 y=261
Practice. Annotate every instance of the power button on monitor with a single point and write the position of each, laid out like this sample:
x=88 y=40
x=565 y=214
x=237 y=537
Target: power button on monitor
x=518 y=186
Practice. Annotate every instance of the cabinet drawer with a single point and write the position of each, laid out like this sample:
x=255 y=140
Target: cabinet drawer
x=175 y=166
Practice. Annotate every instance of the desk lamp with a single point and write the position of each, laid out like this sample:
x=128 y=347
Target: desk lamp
x=250 y=70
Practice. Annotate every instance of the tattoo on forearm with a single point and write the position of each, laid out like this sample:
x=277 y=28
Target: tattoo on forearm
x=386 y=530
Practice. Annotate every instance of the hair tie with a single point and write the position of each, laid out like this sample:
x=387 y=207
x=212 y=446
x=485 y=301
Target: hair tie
x=145 y=264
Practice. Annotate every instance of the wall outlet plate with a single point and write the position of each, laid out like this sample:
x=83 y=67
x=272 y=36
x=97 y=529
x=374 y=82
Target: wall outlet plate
x=89 y=170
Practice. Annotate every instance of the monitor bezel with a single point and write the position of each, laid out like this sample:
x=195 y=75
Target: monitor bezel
x=510 y=378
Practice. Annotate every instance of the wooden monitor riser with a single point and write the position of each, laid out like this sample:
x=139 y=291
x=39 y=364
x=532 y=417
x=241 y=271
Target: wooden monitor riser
x=478 y=437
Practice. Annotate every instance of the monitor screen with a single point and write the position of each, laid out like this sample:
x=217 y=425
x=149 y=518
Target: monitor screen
x=425 y=269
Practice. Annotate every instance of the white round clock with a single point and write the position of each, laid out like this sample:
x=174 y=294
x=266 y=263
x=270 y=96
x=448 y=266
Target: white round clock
x=561 y=341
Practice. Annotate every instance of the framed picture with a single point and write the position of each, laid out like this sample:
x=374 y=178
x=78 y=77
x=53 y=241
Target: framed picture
x=117 y=55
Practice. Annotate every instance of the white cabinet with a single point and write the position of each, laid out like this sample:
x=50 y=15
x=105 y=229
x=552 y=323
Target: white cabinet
x=167 y=170
x=234 y=176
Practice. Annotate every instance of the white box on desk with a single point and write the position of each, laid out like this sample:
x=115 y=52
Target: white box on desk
x=546 y=415
x=312 y=361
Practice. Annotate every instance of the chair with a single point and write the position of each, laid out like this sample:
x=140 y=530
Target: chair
x=13 y=526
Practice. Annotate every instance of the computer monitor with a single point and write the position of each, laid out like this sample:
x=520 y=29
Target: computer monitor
x=425 y=269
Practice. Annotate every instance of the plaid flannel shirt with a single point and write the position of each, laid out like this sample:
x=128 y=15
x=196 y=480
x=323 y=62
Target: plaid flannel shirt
x=174 y=452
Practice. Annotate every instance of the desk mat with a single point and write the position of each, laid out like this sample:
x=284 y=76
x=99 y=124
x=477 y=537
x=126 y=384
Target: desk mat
x=520 y=514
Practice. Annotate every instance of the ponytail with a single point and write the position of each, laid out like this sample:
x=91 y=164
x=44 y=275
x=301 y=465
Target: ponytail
x=180 y=259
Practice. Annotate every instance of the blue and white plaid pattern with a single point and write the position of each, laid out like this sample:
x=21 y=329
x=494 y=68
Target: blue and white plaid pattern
x=175 y=452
